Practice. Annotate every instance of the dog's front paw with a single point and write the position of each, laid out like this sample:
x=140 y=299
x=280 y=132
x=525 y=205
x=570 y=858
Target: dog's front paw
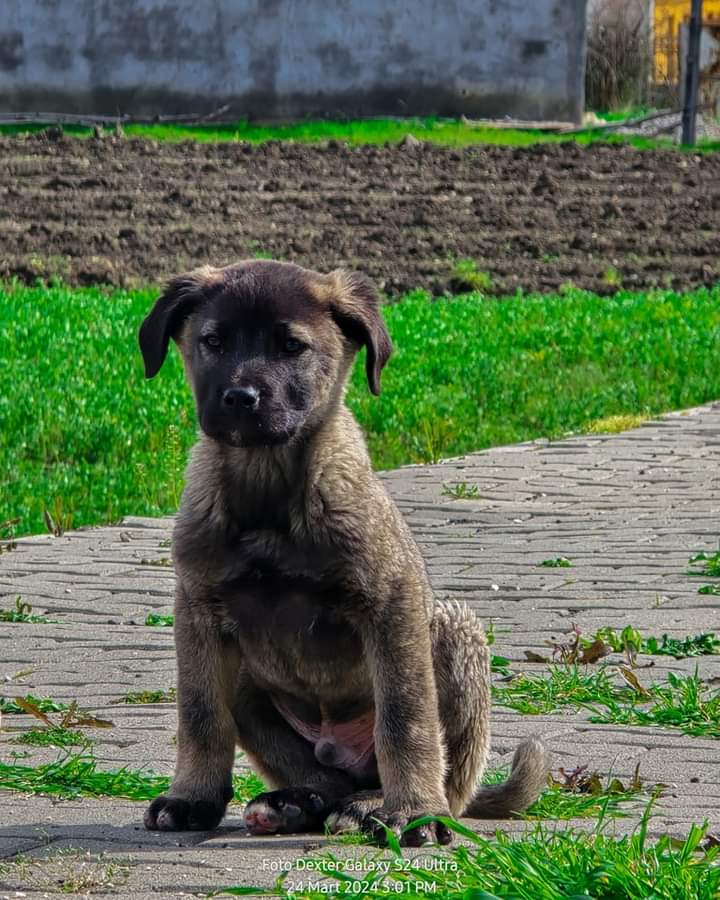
x=350 y=813
x=176 y=814
x=287 y=811
x=397 y=821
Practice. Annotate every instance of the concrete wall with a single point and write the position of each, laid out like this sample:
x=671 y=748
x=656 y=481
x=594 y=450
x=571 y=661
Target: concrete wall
x=287 y=58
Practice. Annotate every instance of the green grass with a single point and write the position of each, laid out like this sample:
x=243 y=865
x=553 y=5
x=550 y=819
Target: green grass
x=499 y=664
x=461 y=491
x=559 y=562
x=683 y=702
x=73 y=776
x=93 y=441
x=447 y=132
x=467 y=279
x=42 y=704
x=22 y=613
x=581 y=794
x=52 y=737
x=620 y=115
x=542 y=864
x=159 y=696
x=709 y=565
x=157 y=621
x=78 y=775
x=630 y=640
x=60 y=733
x=561 y=687
x=588 y=649
x=680 y=702
x=469 y=374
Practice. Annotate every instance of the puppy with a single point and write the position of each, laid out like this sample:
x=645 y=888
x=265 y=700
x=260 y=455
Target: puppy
x=305 y=626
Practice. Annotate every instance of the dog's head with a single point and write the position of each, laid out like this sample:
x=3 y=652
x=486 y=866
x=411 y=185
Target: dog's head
x=267 y=346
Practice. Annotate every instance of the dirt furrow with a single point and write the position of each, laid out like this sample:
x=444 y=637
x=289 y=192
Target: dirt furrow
x=130 y=211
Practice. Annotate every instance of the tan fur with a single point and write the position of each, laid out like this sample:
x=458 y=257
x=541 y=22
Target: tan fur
x=265 y=532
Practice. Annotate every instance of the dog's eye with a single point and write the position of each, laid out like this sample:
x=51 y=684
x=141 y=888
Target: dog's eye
x=211 y=340
x=292 y=345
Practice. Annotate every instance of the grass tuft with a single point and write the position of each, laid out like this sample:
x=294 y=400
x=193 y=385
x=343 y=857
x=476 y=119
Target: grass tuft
x=461 y=491
x=681 y=702
x=157 y=696
x=468 y=279
x=579 y=648
x=709 y=568
x=158 y=621
x=52 y=737
x=21 y=613
x=62 y=733
x=42 y=704
x=581 y=794
x=709 y=564
x=631 y=641
x=559 y=562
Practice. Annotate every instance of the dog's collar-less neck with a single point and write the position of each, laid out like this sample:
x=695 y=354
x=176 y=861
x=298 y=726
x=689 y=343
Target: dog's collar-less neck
x=290 y=461
x=254 y=468
x=270 y=487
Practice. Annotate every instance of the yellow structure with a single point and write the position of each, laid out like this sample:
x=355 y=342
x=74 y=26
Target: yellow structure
x=669 y=15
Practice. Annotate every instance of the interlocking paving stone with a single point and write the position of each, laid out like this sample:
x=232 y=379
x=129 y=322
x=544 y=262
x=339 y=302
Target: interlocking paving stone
x=627 y=510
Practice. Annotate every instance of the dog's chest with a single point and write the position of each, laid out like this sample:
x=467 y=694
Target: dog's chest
x=290 y=628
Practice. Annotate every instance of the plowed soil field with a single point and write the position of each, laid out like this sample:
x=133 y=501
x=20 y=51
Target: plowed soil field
x=121 y=211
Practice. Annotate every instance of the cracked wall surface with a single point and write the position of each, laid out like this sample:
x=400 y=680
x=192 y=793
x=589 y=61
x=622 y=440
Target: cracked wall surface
x=284 y=59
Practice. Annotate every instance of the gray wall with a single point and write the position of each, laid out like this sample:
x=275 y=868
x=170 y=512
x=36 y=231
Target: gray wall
x=285 y=58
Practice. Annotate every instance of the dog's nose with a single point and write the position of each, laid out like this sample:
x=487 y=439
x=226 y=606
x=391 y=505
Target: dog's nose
x=247 y=397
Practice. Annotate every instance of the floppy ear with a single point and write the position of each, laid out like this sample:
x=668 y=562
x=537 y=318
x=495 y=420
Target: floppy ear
x=356 y=309
x=175 y=304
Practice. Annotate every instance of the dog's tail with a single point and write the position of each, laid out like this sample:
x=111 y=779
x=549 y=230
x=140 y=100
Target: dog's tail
x=528 y=777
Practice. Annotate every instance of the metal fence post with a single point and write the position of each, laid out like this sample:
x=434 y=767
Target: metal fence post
x=692 y=74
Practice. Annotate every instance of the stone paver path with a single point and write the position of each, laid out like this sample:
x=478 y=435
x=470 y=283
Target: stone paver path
x=628 y=510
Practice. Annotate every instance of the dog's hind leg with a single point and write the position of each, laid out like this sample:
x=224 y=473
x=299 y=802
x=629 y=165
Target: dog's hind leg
x=461 y=663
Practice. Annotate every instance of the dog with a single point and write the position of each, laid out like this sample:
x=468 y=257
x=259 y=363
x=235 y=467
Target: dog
x=305 y=625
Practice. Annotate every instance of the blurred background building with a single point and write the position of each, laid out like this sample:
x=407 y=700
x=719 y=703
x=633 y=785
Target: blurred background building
x=637 y=50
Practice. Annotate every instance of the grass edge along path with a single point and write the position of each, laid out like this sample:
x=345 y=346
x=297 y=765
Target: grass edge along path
x=95 y=441
x=74 y=775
